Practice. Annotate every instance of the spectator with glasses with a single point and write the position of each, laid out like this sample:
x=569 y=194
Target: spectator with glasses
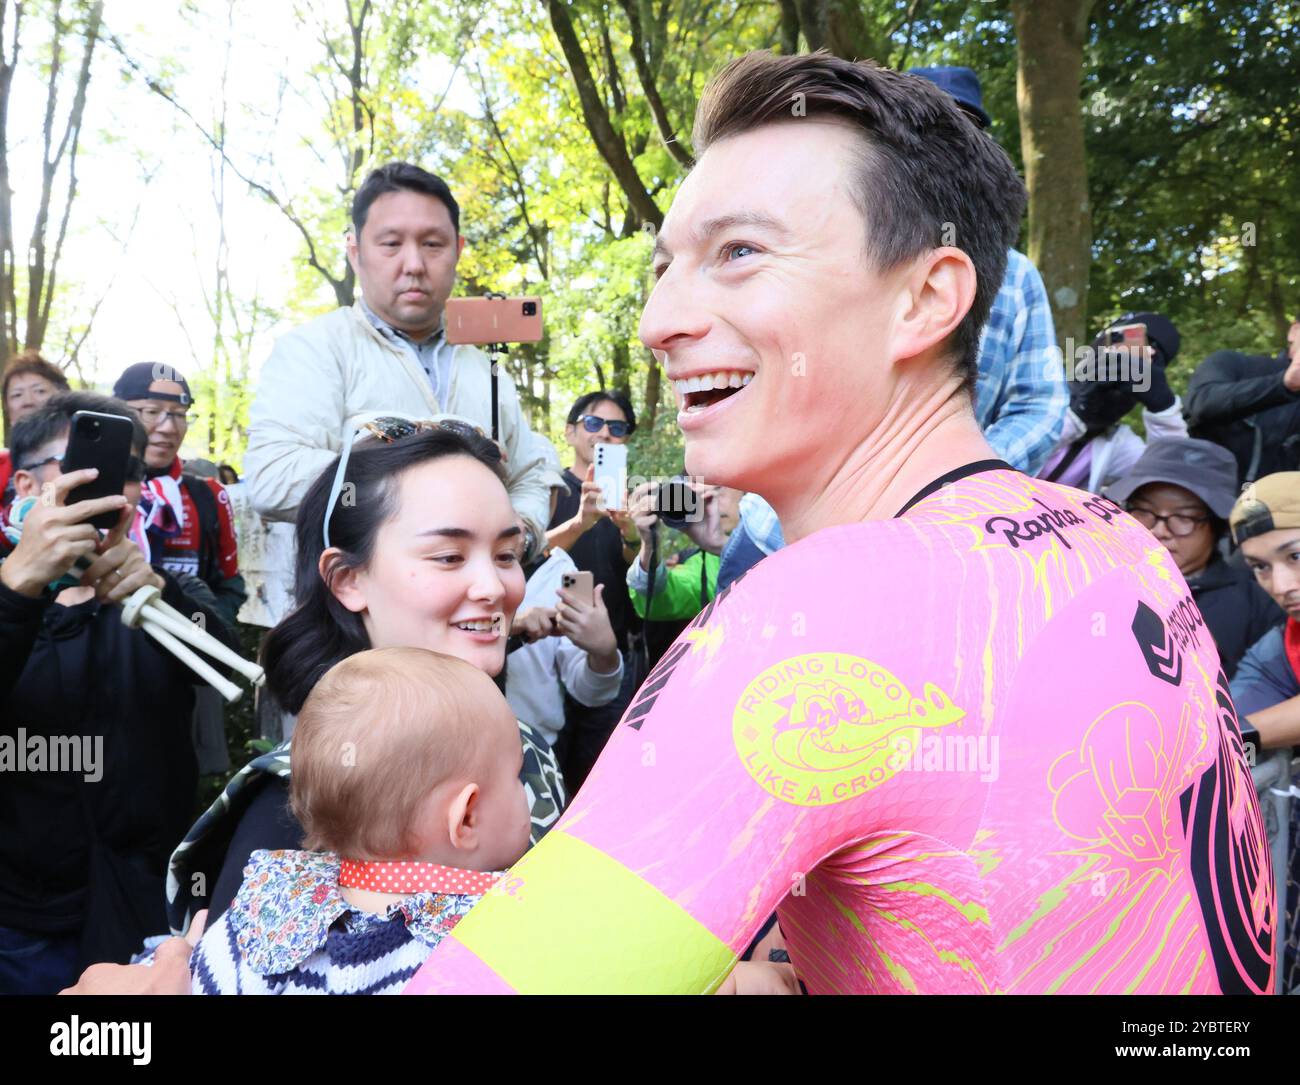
x=201 y=542
x=84 y=852
x=582 y=526
x=1182 y=490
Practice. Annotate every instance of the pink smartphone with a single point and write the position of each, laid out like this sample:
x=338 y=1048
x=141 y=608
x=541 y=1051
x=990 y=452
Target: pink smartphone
x=581 y=584
x=483 y=321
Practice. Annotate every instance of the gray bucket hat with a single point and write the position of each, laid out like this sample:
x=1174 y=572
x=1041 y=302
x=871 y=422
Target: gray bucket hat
x=1206 y=469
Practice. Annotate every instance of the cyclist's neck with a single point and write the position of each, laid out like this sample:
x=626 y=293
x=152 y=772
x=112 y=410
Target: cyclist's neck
x=883 y=472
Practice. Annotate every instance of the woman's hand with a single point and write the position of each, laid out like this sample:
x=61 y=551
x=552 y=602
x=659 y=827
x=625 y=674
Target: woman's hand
x=706 y=532
x=589 y=628
x=168 y=975
x=120 y=568
x=55 y=534
x=534 y=624
x=640 y=509
x=760 y=978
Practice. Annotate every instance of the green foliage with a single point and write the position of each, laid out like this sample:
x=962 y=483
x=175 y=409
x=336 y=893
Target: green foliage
x=1191 y=119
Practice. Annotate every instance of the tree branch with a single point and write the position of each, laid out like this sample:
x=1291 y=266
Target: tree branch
x=641 y=62
x=339 y=285
x=607 y=141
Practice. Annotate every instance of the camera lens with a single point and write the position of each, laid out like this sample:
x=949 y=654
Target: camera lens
x=530 y=308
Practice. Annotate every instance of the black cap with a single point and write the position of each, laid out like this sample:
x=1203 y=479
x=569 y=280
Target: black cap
x=135 y=380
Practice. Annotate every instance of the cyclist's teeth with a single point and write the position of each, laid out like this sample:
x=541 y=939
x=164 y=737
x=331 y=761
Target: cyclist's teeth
x=724 y=380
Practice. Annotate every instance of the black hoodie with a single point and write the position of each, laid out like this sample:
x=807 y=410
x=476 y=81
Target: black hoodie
x=90 y=855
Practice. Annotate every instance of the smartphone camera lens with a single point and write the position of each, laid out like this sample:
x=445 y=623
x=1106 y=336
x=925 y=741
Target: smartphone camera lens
x=530 y=308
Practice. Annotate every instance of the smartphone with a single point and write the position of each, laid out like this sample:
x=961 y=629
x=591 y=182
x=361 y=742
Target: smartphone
x=611 y=474
x=483 y=321
x=581 y=585
x=102 y=441
x=1133 y=336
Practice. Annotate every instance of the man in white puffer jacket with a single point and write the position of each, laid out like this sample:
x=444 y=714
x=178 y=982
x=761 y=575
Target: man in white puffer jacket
x=385 y=354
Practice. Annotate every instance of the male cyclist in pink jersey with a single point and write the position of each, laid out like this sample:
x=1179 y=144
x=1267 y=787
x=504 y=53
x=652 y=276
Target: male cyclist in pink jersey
x=968 y=733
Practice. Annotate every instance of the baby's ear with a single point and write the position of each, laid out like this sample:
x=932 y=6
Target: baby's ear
x=462 y=817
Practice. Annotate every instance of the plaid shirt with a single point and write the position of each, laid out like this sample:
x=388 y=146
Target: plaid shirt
x=1020 y=394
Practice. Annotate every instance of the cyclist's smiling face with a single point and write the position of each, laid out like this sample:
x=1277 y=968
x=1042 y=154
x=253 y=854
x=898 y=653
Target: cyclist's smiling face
x=444 y=573
x=762 y=277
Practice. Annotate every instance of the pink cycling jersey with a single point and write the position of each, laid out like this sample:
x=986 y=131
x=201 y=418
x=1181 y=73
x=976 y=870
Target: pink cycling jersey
x=983 y=747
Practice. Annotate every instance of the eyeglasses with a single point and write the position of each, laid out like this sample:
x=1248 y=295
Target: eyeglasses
x=390 y=429
x=593 y=423
x=134 y=467
x=1179 y=525
x=153 y=416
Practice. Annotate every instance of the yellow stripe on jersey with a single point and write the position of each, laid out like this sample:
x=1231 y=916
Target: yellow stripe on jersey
x=538 y=929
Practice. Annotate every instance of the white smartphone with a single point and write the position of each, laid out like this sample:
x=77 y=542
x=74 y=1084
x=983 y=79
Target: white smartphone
x=611 y=475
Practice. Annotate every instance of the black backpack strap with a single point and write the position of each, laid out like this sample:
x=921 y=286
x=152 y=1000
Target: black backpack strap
x=1073 y=454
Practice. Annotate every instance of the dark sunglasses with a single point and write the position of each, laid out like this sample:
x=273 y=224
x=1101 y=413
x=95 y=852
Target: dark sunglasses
x=391 y=429
x=134 y=467
x=593 y=423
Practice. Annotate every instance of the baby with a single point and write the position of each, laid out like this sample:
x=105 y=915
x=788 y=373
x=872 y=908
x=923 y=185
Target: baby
x=405 y=780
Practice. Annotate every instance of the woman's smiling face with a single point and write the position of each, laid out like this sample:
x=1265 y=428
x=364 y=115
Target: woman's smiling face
x=445 y=572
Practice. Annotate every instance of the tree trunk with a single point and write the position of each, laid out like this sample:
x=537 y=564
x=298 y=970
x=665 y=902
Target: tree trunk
x=608 y=142
x=842 y=27
x=653 y=386
x=1051 y=36
x=789 y=27
x=620 y=362
x=42 y=274
x=648 y=84
x=8 y=262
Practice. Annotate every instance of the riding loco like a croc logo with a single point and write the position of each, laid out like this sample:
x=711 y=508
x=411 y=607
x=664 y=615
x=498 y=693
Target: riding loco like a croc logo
x=822 y=728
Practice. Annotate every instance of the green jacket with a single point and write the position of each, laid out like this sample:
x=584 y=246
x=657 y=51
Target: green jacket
x=677 y=590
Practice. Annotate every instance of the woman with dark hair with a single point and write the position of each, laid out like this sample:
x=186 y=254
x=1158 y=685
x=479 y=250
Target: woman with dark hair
x=1182 y=491
x=409 y=540
x=28 y=381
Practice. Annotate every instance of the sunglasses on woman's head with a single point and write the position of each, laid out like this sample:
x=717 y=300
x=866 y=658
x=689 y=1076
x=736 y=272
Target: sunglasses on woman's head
x=391 y=429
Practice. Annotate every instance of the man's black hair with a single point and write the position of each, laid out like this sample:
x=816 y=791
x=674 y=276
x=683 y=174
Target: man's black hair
x=55 y=418
x=924 y=176
x=614 y=396
x=401 y=177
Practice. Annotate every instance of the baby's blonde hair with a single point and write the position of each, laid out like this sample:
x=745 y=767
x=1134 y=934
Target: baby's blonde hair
x=377 y=734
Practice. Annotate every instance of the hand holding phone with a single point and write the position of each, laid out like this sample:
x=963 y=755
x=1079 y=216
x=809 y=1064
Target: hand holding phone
x=580 y=585
x=55 y=535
